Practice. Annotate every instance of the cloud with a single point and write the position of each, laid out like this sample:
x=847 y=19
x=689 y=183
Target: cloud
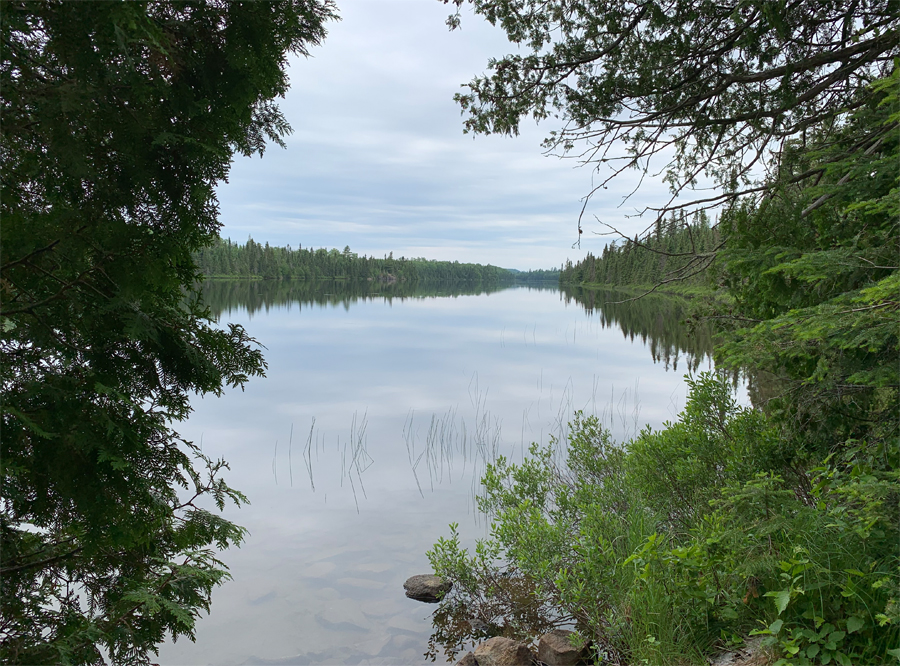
x=378 y=159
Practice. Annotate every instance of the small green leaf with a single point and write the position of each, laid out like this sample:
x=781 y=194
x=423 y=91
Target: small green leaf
x=775 y=627
x=812 y=651
x=842 y=659
x=855 y=624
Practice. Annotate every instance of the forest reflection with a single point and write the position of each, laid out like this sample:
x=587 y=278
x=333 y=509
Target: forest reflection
x=657 y=320
x=261 y=295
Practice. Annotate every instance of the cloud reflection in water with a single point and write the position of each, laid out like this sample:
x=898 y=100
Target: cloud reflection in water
x=386 y=408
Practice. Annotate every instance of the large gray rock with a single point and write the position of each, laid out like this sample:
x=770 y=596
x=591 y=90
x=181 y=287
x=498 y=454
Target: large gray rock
x=499 y=651
x=468 y=660
x=557 y=648
x=427 y=588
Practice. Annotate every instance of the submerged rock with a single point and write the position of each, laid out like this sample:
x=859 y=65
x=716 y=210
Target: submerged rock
x=499 y=651
x=557 y=649
x=427 y=588
x=479 y=627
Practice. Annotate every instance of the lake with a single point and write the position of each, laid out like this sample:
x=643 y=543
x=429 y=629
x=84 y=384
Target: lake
x=381 y=406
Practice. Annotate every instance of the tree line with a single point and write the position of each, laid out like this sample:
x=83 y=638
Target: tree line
x=225 y=258
x=538 y=275
x=675 y=251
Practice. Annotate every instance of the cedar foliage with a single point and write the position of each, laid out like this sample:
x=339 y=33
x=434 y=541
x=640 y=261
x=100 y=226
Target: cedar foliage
x=686 y=88
x=814 y=270
x=119 y=119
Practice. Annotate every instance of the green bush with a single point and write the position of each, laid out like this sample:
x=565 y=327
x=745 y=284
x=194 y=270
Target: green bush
x=689 y=539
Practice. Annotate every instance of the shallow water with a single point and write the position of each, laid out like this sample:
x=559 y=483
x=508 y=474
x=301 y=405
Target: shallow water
x=368 y=436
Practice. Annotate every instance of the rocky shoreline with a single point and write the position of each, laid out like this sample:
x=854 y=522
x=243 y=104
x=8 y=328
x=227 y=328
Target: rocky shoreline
x=559 y=647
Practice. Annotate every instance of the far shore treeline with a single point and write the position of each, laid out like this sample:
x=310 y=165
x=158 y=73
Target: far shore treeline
x=227 y=258
x=673 y=255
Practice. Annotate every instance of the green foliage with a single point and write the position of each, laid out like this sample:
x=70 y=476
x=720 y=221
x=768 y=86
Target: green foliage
x=537 y=275
x=815 y=277
x=783 y=521
x=693 y=536
x=119 y=119
x=674 y=253
x=714 y=444
x=709 y=88
x=228 y=259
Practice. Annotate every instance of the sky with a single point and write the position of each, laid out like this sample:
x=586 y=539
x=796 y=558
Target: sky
x=378 y=160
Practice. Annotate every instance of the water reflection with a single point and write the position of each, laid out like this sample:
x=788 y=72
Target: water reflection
x=657 y=320
x=510 y=606
x=257 y=295
x=437 y=442
x=368 y=436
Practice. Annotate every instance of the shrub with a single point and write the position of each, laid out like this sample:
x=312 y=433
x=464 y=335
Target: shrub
x=687 y=539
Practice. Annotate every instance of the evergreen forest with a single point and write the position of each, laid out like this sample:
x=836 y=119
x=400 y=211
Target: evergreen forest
x=228 y=259
x=676 y=253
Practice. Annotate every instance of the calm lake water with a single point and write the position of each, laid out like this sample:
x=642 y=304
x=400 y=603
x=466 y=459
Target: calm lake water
x=368 y=436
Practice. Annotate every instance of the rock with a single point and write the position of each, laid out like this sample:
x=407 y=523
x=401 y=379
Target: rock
x=499 y=651
x=468 y=660
x=557 y=649
x=479 y=626
x=427 y=588
x=752 y=653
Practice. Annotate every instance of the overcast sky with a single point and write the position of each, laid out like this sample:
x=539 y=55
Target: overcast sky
x=378 y=159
